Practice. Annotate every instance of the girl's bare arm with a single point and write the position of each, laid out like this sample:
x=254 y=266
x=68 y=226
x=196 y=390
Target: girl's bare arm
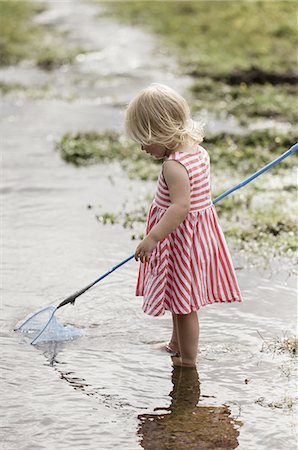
x=177 y=180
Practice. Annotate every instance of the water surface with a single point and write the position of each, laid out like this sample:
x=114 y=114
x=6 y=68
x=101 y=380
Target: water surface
x=102 y=390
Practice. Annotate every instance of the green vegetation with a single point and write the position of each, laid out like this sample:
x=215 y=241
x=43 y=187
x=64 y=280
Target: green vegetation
x=263 y=228
x=32 y=91
x=53 y=55
x=256 y=229
x=248 y=72
x=219 y=37
x=127 y=219
x=5 y=88
x=246 y=101
x=91 y=147
x=245 y=153
x=21 y=39
x=250 y=152
x=260 y=225
x=17 y=31
x=285 y=403
x=285 y=344
x=242 y=54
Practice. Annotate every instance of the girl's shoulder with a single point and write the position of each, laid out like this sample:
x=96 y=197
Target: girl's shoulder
x=204 y=152
x=201 y=152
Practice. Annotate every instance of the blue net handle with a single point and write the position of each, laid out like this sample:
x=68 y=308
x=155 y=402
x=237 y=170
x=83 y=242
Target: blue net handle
x=294 y=148
x=71 y=298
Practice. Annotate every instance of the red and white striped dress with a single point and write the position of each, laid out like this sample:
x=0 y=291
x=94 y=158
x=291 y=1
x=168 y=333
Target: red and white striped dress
x=192 y=266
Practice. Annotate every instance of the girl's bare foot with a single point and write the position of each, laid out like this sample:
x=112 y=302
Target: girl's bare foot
x=177 y=361
x=172 y=348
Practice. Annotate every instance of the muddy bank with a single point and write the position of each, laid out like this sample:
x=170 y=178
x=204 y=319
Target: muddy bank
x=252 y=75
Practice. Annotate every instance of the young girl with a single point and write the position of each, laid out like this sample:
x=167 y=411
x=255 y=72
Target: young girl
x=185 y=260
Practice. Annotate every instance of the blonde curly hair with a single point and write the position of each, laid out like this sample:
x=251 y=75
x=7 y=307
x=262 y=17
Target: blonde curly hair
x=159 y=115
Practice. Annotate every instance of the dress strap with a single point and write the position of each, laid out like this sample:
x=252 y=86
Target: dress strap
x=184 y=158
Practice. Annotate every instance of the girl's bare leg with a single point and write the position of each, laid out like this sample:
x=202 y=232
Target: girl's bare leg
x=188 y=339
x=174 y=343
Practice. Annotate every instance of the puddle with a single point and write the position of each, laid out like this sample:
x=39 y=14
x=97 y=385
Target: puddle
x=112 y=387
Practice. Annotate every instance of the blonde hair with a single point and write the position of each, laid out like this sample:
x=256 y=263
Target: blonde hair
x=159 y=115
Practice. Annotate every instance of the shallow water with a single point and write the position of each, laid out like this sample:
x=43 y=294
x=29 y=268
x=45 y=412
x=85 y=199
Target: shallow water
x=101 y=390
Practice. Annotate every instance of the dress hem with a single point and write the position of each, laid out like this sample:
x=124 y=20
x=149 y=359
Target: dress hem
x=166 y=308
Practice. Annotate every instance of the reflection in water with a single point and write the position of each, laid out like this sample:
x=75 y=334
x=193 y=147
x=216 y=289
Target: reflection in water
x=184 y=424
x=50 y=351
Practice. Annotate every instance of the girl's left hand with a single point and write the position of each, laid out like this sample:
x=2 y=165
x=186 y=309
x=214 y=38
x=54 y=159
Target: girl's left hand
x=144 y=249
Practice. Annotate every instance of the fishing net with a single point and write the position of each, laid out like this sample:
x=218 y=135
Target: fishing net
x=43 y=326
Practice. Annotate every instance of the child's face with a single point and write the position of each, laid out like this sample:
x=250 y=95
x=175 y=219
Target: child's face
x=157 y=150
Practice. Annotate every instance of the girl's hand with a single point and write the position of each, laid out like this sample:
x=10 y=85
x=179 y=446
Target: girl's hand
x=145 y=248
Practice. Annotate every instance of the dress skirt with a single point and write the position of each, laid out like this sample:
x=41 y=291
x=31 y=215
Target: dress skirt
x=190 y=268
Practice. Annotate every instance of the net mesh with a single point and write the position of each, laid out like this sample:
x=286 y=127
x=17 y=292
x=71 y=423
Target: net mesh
x=43 y=326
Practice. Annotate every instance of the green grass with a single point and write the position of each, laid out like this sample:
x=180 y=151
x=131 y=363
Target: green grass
x=253 y=228
x=266 y=232
x=267 y=229
x=21 y=39
x=246 y=101
x=243 y=153
x=18 y=34
x=6 y=88
x=92 y=147
x=241 y=53
x=250 y=152
x=218 y=37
